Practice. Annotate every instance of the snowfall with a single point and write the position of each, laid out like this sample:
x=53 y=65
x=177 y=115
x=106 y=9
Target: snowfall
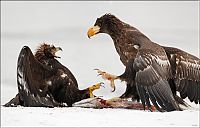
x=65 y=24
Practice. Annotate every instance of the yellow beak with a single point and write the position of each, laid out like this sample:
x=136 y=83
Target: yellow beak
x=58 y=49
x=93 y=31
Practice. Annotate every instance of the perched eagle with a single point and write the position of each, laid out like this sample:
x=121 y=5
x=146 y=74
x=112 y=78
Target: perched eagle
x=44 y=82
x=153 y=73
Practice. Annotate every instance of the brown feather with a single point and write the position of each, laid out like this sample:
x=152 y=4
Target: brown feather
x=147 y=61
x=39 y=54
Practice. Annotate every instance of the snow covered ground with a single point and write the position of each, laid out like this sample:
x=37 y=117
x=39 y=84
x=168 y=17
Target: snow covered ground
x=65 y=24
x=85 y=117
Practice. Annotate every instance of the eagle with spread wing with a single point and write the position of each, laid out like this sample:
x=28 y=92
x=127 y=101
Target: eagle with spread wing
x=44 y=82
x=153 y=73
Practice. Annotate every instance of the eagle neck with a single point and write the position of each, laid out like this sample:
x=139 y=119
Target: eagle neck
x=115 y=30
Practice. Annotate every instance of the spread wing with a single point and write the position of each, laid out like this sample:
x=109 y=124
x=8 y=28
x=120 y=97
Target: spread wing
x=186 y=68
x=30 y=75
x=151 y=81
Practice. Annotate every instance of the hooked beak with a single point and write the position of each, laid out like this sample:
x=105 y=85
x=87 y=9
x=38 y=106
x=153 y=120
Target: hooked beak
x=93 y=31
x=58 y=49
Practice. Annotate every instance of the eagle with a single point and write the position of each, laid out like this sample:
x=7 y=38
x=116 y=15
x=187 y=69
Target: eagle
x=154 y=73
x=44 y=82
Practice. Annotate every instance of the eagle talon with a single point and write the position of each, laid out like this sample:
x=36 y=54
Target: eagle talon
x=107 y=76
x=101 y=84
x=94 y=87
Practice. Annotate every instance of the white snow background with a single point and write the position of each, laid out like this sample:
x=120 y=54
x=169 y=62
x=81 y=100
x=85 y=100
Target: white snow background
x=65 y=24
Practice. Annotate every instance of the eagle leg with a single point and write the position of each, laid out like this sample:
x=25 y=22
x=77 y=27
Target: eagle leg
x=94 y=87
x=109 y=77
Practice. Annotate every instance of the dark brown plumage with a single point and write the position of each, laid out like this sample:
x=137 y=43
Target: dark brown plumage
x=153 y=72
x=185 y=73
x=44 y=82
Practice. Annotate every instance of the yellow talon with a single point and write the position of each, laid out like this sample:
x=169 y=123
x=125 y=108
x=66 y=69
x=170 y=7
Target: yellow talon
x=94 y=87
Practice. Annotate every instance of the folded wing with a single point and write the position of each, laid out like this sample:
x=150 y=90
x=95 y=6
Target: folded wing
x=152 y=72
x=186 y=73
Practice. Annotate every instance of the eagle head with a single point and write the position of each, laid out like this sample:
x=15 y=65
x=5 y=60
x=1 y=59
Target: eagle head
x=105 y=24
x=46 y=50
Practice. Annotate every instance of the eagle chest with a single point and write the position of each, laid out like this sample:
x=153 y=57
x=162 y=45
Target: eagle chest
x=125 y=50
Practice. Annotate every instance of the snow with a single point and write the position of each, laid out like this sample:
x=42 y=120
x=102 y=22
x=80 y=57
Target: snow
x=87 y=117
x=65 y=24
